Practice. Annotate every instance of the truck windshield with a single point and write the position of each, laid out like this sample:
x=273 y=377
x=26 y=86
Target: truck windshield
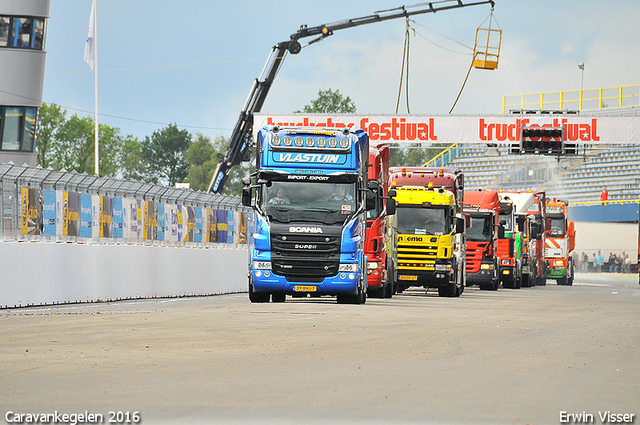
x=423 y=221
x=328 y=203
x=481 y=228
x=556 y=225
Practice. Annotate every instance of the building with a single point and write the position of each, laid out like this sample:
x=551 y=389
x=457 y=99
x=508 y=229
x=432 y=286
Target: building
x=23 y=26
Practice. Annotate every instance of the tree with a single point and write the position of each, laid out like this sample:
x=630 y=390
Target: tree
x=132 y=164
x=50 y=119
x=329 y=101
x=202 y=162
x=203 y=156
x=74 y=145
x=70 y=143
x=165 y=155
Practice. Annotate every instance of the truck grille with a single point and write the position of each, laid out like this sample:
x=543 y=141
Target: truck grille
x=412 y=256
x=475 y=252
x=305 y=255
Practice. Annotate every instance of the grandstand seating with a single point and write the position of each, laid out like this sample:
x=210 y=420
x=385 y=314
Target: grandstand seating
x=574 y=179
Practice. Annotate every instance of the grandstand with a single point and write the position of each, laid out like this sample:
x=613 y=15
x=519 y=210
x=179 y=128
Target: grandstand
x=577 y=179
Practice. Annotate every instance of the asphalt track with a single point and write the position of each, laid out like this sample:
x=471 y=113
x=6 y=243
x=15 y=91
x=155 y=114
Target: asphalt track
x=526 y=356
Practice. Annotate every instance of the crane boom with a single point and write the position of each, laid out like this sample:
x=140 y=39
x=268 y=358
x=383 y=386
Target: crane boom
x=240 y=140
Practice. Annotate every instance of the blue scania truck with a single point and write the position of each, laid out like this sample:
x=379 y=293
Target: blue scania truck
x=309 y=193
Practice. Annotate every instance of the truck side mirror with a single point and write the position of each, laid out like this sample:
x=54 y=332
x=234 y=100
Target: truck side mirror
x=371 y=200
x=246 y=196
x=392 y=193
x=460 y=225
x=501 y=231
x=391 y=206
x=534 y=231
x=522 y=221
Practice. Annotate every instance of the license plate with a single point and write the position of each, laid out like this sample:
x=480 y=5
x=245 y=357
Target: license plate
x=407 y=277
x=305 y=288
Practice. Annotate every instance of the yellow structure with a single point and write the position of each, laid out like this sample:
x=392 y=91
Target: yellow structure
x=486 y=55
x=589 y=99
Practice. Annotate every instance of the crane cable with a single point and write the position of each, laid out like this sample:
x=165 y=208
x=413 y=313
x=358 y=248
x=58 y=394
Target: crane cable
x=490 y=17
x=405 y=56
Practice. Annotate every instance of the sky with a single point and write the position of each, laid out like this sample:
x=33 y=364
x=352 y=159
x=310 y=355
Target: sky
x=193 y=63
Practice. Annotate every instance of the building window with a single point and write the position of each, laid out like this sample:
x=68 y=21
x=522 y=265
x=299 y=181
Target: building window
x=17 y=128
x=22 y=32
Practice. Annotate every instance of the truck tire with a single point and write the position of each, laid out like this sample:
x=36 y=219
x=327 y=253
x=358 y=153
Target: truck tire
x=258 y=297
x=390 y=287
x=453 y=289
x=278 y=297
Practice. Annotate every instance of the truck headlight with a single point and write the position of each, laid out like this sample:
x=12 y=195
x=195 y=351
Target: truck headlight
x=374 y=265
x=261 y=265
x=350 y=267
x=443 y=267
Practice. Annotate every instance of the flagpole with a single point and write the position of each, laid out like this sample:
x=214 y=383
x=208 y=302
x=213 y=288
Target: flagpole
x=95 y=89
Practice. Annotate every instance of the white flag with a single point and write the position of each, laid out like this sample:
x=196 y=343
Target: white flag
x=89 y=46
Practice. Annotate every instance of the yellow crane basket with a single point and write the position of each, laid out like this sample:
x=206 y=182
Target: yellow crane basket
x=486 y=50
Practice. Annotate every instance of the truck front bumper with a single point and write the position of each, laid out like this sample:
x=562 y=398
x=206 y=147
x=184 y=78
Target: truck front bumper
x=342 y=283
x=556 y=272
x=425 y=278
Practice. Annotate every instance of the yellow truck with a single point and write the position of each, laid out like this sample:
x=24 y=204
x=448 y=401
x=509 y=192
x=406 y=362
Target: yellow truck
x=428 y=246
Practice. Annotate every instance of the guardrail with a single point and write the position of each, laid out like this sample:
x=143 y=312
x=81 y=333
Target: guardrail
x=446 y=156
x=586 y=99
x=39 y=204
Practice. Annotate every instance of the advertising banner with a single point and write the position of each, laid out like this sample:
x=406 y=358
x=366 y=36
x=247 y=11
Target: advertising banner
x=171 y=220
x=199 y=225
x=501 y=129
x=242 y=228
x=71 y=214
x=95 y=216
x=85 y=215
x=31 y=211
x=150 y=220
x=161 y=223
x=49 y=213
x=221 y=225
x=190 y=221
x=117 y=220
x=212 y=226
x=231 y=226
x=106 y=217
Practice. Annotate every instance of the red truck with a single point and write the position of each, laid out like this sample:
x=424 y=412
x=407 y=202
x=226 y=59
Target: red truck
x=380 y=270
x=483 y=208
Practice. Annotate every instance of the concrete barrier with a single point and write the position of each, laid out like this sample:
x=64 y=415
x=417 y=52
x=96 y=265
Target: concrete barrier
x=41 y=273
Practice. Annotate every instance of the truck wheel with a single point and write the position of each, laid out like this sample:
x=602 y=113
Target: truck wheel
x=257 y=297
x=447 y=291
x=278 y=297
x=389 y=288
x=508 y=282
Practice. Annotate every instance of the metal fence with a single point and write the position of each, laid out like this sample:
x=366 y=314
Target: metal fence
x=45 y=205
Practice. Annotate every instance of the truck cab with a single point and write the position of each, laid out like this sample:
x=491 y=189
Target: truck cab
x=380 y=270
x=309 y=194
x=428 y=229
x=559 y=243
x=483 y=208
x=509 y=246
